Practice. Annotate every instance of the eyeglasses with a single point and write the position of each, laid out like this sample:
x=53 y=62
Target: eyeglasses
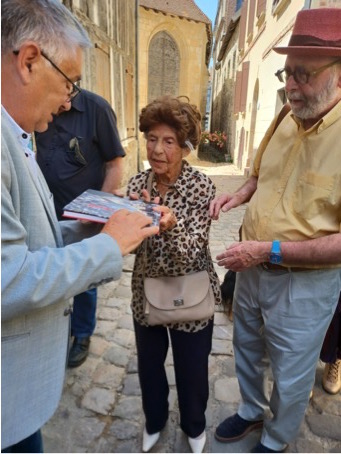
x=75 y=89
x=300 y=75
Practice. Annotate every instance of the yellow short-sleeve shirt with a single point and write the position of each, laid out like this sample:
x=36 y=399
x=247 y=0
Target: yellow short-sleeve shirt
x=298 y=195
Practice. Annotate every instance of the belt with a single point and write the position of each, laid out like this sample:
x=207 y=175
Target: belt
x=289 y=269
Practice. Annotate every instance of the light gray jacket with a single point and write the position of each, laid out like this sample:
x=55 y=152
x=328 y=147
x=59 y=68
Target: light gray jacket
x=38 y=278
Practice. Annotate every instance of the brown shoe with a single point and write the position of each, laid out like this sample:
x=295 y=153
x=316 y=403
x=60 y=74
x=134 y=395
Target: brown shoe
x=331 y=381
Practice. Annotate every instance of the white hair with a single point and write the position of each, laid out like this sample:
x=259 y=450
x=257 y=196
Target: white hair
x=46 y=22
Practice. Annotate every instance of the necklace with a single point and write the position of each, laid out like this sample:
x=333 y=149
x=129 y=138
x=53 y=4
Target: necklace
x=168 y=185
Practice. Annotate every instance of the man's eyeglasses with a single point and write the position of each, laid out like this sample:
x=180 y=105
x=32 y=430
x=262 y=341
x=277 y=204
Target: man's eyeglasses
x=300 y=75
x=75 y=89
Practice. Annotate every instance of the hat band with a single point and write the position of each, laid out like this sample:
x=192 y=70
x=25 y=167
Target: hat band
x=305 y=40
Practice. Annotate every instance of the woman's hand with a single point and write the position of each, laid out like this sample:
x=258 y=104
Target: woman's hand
x=145 y=197
x=168 y=219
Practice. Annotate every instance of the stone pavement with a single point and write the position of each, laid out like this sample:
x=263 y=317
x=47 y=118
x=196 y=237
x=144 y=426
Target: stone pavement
x=100 y=410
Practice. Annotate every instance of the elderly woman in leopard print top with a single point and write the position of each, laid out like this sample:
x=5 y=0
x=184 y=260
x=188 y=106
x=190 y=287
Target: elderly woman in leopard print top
x=172 y=128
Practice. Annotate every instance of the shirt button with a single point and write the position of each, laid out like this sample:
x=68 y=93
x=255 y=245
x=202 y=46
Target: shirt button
x=67 y=311
x=24 y=136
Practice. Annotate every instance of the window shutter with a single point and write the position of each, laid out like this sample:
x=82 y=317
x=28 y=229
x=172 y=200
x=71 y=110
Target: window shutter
x=242 y=25
x=261 y=5
x=251 y=17
x=237 y=92
x=244 y=86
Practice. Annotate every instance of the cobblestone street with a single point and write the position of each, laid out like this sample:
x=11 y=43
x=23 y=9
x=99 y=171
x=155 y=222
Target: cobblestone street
x=101 y=411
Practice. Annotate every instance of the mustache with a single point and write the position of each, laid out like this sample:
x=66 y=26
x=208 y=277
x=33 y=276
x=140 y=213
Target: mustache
x=295 y=97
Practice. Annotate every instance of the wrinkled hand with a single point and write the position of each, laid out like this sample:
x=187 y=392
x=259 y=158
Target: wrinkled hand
x=243 y=255
x=145 y=197
x=224 y=203
x=168 y=219
x=129 y=229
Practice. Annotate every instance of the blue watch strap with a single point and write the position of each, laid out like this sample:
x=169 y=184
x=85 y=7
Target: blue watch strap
x=276 y=247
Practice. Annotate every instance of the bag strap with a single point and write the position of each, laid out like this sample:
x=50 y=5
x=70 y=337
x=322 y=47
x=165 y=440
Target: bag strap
x=283 y=112
x=145 y=242
x=150 y=182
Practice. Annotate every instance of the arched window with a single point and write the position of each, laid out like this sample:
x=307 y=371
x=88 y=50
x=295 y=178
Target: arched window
x=163 y=66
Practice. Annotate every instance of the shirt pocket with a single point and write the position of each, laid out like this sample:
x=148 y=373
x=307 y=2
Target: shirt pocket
x=313 y=195
x=76 y=157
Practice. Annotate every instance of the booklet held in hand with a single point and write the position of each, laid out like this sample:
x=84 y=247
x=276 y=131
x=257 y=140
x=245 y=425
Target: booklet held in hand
x=98 y=206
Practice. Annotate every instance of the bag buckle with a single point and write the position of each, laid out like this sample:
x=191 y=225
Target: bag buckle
x=178 y=302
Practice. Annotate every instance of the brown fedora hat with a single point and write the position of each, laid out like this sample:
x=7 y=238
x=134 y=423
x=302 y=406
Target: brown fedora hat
x=317 y=32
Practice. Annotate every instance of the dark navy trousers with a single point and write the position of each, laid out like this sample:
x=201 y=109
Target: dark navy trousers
x=33 y=443
x=190 y=354
x=83 y=318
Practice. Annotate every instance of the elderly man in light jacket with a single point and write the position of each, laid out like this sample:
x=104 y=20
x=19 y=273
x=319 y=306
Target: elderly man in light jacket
x=42 y=264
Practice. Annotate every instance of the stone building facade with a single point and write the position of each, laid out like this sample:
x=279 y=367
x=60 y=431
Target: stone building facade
x=225 y=52
x=257 y=95
x=110 y=67
x=175 y=40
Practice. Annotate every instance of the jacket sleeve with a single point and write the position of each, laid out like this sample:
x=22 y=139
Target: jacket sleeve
x=32 y=278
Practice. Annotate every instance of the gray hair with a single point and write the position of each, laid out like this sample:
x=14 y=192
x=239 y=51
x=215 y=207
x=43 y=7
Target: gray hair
x=46 y=22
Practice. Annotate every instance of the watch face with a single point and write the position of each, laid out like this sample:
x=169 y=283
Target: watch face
x=275 y=258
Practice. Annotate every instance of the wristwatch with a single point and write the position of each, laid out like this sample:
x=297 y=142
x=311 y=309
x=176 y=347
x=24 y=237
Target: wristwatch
x=275 y=254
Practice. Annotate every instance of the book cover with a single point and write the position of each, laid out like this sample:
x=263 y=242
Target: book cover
x=98 y=206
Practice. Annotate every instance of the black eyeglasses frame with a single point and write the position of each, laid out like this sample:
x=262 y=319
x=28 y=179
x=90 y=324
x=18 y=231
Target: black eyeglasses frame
x=75 y=89
x=305 y=74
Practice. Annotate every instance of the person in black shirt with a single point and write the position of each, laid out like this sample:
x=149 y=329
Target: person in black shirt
x=81 y=150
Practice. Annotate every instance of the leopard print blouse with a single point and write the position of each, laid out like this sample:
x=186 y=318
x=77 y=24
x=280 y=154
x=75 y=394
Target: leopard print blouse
x=182 y=250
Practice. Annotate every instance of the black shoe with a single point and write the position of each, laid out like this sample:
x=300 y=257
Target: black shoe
x=234 y=428
x=261 y=448
x=79 y=351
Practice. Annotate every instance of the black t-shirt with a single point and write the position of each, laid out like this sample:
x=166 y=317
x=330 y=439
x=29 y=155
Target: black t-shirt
x=73 y=151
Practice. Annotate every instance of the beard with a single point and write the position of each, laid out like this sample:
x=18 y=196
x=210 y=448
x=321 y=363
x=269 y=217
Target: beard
x=316 y=104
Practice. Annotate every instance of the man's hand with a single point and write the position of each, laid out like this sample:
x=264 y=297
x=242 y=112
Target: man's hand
x=129 y=229
x=224 y=203
x=243 y=255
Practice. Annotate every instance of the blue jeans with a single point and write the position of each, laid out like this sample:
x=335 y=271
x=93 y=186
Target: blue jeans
x=33 y=443
x=83 y=318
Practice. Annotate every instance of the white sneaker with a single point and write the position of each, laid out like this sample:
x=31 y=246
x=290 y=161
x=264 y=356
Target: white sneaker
x=331 y=380
x=148 y=441
x=197 y=444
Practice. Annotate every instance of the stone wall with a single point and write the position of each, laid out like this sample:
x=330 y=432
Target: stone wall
x=172 y=54
x=110 y=67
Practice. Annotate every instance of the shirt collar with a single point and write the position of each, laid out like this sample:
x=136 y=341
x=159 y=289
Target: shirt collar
x=78 y=102
x=23 y=137
x=183 y=178
x=330 y=118
x=326 y=121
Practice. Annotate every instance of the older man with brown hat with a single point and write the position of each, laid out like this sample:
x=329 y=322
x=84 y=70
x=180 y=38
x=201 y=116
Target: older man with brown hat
x=289 y=259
